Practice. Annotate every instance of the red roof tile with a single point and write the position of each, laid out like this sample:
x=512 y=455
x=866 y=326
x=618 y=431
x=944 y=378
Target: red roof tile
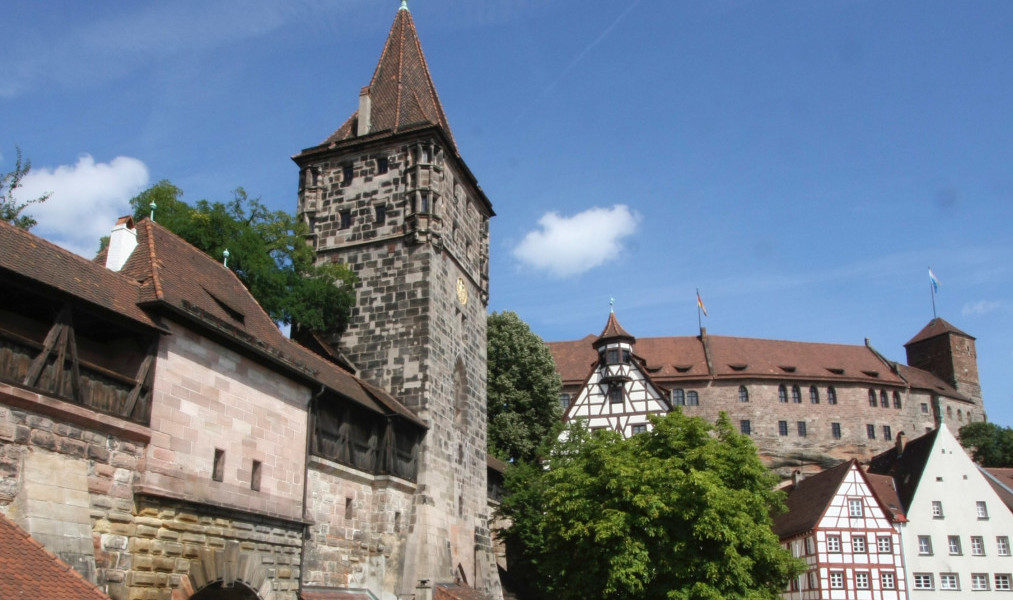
x=334 y=594
x=1001 y=480
x=905 y=467
x=448 y=591
x=885 y=489
x=807 y=501
x=936 y=327
x=28 y=570
x=613 y=331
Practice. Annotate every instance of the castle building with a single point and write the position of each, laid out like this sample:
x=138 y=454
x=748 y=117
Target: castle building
x=802 y=403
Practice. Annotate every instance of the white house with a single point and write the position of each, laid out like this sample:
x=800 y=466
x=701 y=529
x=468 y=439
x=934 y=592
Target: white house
x=957 y=535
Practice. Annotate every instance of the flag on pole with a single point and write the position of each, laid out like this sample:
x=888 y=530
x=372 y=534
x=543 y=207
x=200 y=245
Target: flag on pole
x=933 y=280
x=699 y=303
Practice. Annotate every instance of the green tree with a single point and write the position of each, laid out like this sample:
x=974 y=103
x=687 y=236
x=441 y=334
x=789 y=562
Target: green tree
x=523 y=389
x=991 y=444
x=682 y=512
x=267 y=251
x=12 y=209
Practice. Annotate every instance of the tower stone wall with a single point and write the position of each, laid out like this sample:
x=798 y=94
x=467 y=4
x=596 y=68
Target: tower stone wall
x=952 y=357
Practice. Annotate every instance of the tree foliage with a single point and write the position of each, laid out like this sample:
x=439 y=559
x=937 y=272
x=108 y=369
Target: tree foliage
x=11 y=208
x=682 y=512
x=267 y=251
x=991 y=444
x=523 y=389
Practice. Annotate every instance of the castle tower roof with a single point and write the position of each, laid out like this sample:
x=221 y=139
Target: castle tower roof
x=613 y=332
x=401 y=96
x=935 y=328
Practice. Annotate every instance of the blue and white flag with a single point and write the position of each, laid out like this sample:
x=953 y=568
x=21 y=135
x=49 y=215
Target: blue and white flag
x=933 y=280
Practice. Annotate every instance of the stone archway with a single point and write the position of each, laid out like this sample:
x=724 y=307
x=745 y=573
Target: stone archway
x=218 y=591
x=228 y=574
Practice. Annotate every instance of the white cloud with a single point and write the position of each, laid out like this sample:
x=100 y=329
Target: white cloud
x=566 y=246
x=87 y=197
x=981 y=307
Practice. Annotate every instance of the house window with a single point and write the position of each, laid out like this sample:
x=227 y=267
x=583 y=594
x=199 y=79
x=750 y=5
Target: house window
x=615 y=394
x=884 y=544
x=381 y=214
x=348 y=508
x=347 y=173
x=937 y=509
x=896 y=400
x=796 y=394
x=678 y=397
x=888 y=580
x=835 y=430
x=953 y=543
x=833 y=543
x=870 y=431
x=782 y=427
x=808 y=545
x=782 y=394
x=1002 y=542
x=831 y=395
x=887 y=434
x=861 y=580
x=564 y=401
x=743 y=394
x=924 y=545
x=883 y=399
x=745 y=427
x=346 y=219
x=855 y=507
x=949 y=581
x=872 y=397
x=858 y=544
x=814 y=394
x=923 y=581
x=977 y=545
x=925 y=408
x=218 y=466
x=255 y=476
x=638 y=429
x=381 y=165
x=982 y=509
x=1002 y=581
x=692 y=399
x=801 y=428
x=424 y=203
x=979 y=582
x=837 y=580
x=811 y=580
x=612 y=356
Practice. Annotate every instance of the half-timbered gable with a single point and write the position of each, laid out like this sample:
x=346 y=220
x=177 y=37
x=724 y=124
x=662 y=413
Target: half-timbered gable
x=838 y=524
x=618 y=393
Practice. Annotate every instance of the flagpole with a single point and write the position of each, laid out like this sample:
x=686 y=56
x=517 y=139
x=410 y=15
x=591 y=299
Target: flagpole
x=932 y=292
x=699 y=321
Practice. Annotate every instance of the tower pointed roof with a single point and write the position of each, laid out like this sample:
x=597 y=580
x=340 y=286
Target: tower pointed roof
x=936 y=327
x=401 y=95
x=613 y=331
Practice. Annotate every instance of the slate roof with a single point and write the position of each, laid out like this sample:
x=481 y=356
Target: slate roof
x=670 y=360
x=936 y=327
x=29 y=571
x=905 y=467
x=45 y=263
x=401 y=92
x=808 y=500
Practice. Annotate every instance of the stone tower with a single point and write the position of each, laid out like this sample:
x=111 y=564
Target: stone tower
x=948 y=353
x=389 y=195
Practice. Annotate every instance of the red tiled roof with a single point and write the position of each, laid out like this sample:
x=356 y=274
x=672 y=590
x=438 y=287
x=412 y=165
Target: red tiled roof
x=402 y=95
x=613 y=331
x=334 y=594
x=450 y=591
x=35 y=259
x=683 y=358
x=936 y=327
x=808 y=500
x=885 y=489
x=905 y=467
x=28 y=570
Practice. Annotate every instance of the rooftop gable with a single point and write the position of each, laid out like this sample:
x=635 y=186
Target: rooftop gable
x=936 y=327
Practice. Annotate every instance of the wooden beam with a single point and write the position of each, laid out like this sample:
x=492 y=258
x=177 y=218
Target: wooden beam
x=140 y=379
x=54 y=335
x=75 y=364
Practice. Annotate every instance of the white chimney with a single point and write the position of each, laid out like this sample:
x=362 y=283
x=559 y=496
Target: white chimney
x=362 y=128
x=122 y=242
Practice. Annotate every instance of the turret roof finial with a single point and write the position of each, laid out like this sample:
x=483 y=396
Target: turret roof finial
x=612 y=305
x=404 y=5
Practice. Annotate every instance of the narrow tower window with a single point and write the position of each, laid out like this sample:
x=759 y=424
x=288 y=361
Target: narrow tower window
x=218 y=466
x=743 y=394
x=814 y=394
x=831 y=395
x=255 y=476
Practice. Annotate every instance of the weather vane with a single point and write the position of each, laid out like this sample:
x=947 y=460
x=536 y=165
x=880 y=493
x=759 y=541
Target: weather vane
x=612 y=305
x=404 y=5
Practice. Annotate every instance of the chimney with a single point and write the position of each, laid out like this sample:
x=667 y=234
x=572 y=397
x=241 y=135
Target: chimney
x=901 y=442
x=795 y=478
x=424 y=590
x=122 y=241
x=363 y=121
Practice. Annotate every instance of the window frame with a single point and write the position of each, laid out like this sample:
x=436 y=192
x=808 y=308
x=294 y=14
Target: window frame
x=743 y=394
x=870 y=431
x=745 y=427
x=800 y=427
x=937 y=509
x=862 y=580
x=835 y=430
x=796 y=394
x=977 y=545
x=836 y=580
x=979 y=577
x=924 y=545
x=814 y=395
x=831 y=395
x=854 y=503
x=953 y=545
x=872 y=399
x=692 y=398
x=859 y=544
x=1005 y=578
x=679 y=397
x=834 y=543
x=918 y=578
x=884 y=583
x=1002 y=545
x=782 y=428
x=944 y=578
x=981 y=509
x=782 y=394
x=880 y=549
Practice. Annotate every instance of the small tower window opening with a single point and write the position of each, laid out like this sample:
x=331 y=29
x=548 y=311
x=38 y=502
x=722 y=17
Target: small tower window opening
x=814 y=394
x=348 y=507
x=743 y=394
x=381 y=165
x=692 y=399
x=424 y=203
x=612 y=356
x=381 y=214
x=831 y=395
x=872 y=398
x=255 y=476
x=347 y=174
x=896 y=400
x=218 y=466
x=782 y=394
x=925 y=408
x=796 y=394
x=397 y=522
x=835 y=430
x=346 y=219
x=679 y=397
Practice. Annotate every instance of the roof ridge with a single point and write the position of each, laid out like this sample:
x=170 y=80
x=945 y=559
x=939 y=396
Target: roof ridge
x=153 y=258
x=441 y=117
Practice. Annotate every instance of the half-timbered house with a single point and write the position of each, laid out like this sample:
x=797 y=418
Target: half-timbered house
x=847 y=535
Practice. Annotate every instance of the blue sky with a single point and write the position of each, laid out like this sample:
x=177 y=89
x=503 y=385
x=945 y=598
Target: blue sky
x=802 y=163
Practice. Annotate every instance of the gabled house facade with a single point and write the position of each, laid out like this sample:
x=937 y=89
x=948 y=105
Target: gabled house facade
x=958 y=532
x=848 y=537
